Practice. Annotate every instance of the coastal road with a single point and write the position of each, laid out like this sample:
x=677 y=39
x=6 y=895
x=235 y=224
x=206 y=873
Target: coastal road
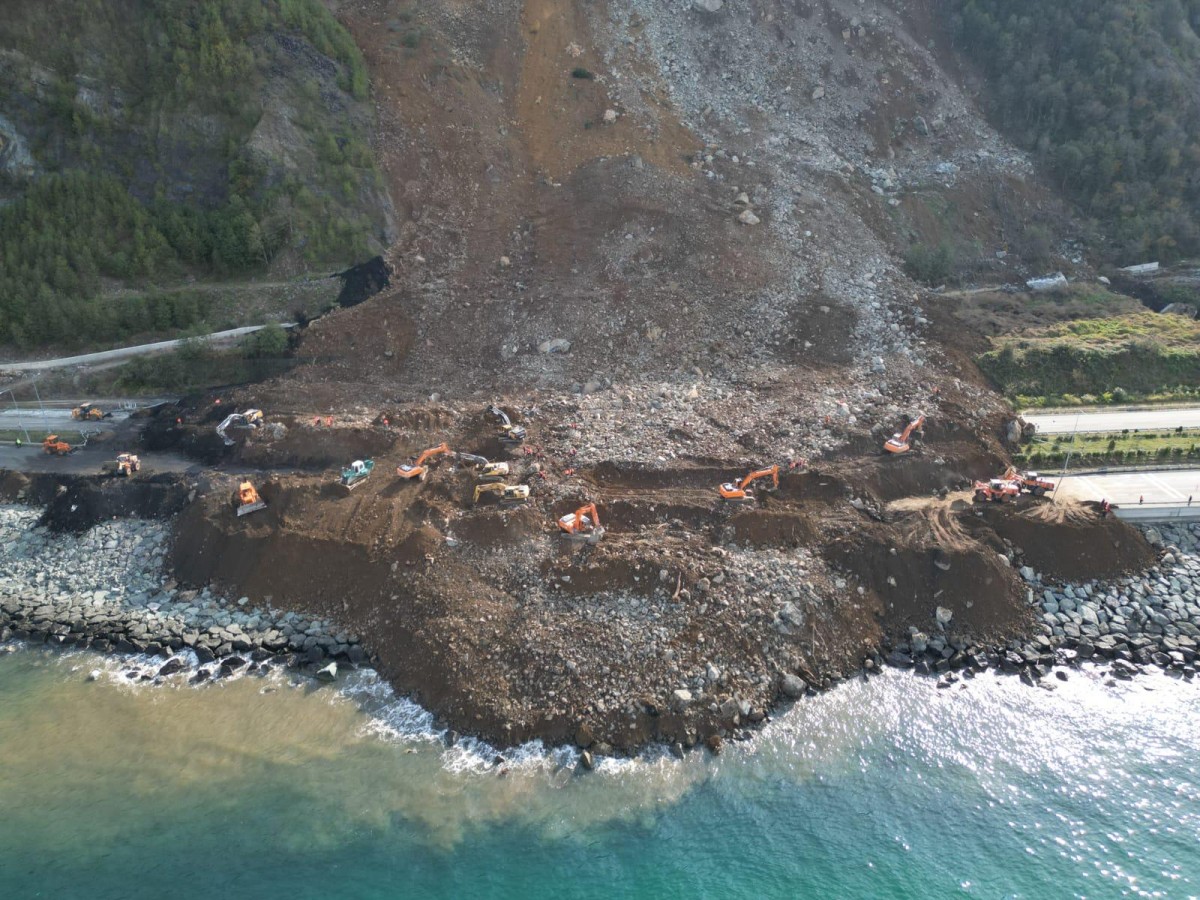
x=1114 y=420
x=120 y=353
x=91 y=460
x=58 y=419
x=1168 y=486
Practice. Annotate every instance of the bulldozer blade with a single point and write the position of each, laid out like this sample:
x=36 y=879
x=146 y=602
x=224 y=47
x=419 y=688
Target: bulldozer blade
x=251 y=507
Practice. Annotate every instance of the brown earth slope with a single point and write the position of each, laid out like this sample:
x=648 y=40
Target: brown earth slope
x=667 y=241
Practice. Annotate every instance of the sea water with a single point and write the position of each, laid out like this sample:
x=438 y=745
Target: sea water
x=270 y=787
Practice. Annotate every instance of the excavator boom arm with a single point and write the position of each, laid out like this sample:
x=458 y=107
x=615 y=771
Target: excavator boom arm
x=773 y=471
x=430 y=453
x=912 y=426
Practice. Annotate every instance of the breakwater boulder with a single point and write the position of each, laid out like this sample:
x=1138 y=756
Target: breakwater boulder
x=106 y=589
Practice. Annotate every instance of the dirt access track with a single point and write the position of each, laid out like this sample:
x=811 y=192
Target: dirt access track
x=492 y=619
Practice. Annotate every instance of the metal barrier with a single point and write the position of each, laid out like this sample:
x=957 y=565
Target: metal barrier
x=1158 y=512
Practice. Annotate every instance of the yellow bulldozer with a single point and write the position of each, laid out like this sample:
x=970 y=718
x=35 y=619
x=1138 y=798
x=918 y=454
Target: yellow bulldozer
x=89 y=412
x=248 y=500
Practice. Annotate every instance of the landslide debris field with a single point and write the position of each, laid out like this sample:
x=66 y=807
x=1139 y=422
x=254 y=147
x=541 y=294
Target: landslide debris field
x=691 y=617
x=667 y=239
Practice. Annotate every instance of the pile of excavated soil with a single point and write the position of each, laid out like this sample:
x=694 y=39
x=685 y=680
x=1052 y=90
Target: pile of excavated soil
x=1067 y=541
x=664 y=631
x=74 y=503
x=927 y=561
x=683 y=622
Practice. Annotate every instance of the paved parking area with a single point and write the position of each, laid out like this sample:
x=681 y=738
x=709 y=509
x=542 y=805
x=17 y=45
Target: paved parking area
x=1125 y=488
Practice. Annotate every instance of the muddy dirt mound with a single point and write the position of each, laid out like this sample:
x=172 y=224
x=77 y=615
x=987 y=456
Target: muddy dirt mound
x=1066 y=541
x=308 y=446
x=170 y=429
x=363 y=281
x=79 y=502
x=927 y=469
x=495 y=621
x=13 y=485
x=771 y=528
x=927 y=562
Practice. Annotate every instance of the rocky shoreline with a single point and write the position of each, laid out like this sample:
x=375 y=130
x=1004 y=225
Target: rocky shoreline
x=106 y=589
x=1151 y=618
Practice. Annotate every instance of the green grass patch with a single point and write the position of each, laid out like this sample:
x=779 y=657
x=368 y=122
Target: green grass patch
x=1139 y=354
x=1129 y=447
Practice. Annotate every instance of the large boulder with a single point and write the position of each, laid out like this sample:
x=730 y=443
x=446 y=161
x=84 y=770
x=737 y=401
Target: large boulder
x=793 y=686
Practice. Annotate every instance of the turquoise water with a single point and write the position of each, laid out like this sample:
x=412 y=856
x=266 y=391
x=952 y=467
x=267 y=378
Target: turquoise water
x=890 y=788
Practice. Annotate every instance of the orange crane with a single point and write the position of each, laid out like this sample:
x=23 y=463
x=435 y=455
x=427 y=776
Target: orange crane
x=418 y=469
x=583 y=524
x=737 y=490
x=899 y=442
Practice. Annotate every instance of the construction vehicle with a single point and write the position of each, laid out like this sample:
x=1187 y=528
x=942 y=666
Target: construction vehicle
x=248 y=500
x=1028 y=481
x=737 y=491
x=128 y=464
x=251 y=418
x=900 y=441
x=488 y=471
x=582 y=525
x=356 y=473
x=89 y=412
x=506 y=431
x=493 y=472
x=506 y=494
x=55 y=447
x=997 y=490
x=418 y=469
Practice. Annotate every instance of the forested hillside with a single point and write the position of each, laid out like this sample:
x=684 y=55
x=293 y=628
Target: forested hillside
x=152 y=139
x=1106 y=94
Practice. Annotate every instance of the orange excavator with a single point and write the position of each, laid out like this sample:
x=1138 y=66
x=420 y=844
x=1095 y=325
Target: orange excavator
x=899 y=442
x=582 y=525
x=418 y=469
x=248 y=500
x=738 y=490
